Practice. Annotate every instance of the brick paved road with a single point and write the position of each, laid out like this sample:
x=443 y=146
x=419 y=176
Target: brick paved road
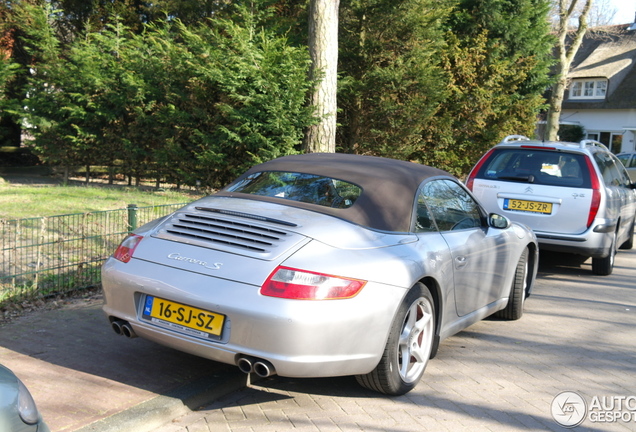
x=578 y=334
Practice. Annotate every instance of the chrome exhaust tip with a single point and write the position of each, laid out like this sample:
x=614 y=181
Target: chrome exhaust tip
x=128 y=331
x=263 y=368
x=117 y=326
x=245 y=365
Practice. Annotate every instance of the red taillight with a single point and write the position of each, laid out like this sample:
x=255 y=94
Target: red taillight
x=596 y=192
x=475 y=170
x=127 y=247
x=289 y=283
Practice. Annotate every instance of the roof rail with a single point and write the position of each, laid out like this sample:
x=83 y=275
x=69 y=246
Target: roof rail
x=594 y=143
x=513 y=138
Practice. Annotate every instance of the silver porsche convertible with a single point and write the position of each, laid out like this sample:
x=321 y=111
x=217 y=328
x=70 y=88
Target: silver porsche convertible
x=322 y=265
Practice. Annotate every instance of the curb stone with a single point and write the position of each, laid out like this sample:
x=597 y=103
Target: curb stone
x=160 y=410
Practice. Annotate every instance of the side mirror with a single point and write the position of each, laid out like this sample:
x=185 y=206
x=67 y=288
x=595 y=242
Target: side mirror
x=498 y=221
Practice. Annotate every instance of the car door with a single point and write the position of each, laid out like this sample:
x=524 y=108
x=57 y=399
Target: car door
x=619 y=195
x=627 y=198
x=479 y=254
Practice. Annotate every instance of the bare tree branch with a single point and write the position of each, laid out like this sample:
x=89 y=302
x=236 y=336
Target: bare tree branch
x=568 y=43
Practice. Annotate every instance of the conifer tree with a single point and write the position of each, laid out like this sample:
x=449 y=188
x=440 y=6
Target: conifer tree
x=496 y=61
x=390 y=80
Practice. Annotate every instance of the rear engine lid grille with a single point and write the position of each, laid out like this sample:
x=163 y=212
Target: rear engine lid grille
x=229 y=232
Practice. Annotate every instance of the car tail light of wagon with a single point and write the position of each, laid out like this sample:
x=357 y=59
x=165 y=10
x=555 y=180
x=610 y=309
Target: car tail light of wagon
x=596 y=193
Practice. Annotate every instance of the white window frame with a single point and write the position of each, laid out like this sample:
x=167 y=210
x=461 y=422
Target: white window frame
x=596 y=136
x=588 y=88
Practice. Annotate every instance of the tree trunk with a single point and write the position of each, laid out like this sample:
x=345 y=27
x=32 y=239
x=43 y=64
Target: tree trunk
x=323 y=49
x=558 y=93
x=566 y=56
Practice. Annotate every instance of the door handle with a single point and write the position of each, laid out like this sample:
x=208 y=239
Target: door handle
x=460 y=261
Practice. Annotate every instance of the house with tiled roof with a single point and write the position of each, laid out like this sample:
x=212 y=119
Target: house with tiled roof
x=601 y=94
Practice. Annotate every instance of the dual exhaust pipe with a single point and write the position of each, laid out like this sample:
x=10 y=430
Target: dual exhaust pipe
x=123 y=328
x=246 y=364
x=260 y=367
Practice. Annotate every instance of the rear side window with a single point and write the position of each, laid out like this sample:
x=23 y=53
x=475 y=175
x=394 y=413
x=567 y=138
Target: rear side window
x=627 y=160
x=538 y=167
x=611 y=169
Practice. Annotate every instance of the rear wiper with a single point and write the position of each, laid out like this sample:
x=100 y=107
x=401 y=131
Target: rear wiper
x=527 y=178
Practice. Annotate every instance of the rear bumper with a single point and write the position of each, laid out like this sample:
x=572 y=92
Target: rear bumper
x=299 y=338
x=596 y=242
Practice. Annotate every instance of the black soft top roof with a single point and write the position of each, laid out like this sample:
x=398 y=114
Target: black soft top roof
x=388 y=186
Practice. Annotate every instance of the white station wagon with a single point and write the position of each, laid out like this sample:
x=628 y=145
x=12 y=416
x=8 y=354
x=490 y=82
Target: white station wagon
x=577 y=197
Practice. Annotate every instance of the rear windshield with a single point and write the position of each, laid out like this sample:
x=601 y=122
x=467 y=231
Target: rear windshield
x=308 y=188
x=537 y=166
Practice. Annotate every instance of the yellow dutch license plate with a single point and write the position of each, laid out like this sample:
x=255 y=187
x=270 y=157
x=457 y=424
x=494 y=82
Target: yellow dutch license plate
x=527 y=206
x=181 y=317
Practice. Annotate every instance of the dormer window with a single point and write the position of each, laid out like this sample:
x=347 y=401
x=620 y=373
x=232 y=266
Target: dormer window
x=588 y=89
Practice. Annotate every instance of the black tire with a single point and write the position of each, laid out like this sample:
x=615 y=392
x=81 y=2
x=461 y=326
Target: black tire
x=604 y=266
x=408 y=348
x=518 y=291
x=629 y=243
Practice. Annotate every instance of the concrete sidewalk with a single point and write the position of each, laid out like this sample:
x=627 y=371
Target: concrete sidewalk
x=84 y=377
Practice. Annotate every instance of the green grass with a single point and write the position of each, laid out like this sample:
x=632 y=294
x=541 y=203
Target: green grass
x=25 y=200
x=18 y=202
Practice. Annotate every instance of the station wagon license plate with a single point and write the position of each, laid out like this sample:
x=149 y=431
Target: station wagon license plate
x=187 y=319
x=527 y=206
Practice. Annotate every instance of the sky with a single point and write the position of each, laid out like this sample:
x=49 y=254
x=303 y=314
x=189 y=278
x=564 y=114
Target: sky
x=625 y=11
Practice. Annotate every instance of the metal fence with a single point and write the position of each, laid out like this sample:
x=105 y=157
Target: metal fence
x=57 y=254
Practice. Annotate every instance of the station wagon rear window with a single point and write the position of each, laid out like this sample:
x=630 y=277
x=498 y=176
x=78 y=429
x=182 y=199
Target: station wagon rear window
x=307 y=188
x=537 y=166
